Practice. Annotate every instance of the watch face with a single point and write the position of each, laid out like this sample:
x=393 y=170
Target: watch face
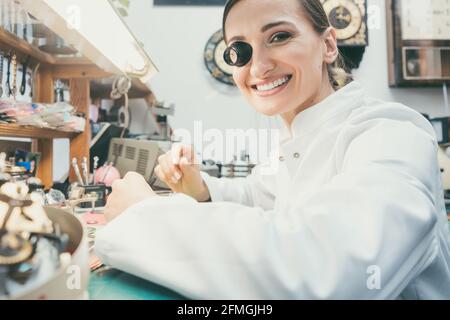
x=214 y=61
x=345 y=16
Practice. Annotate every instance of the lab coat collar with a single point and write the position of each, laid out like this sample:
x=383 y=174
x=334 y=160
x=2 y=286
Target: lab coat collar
x=313 y=117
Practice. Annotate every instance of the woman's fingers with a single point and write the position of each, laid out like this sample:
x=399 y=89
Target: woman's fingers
x=188 y=153
x=176 y=153
x=180 y=151
x=170 y=170
x=161 y=176
x=177 y=164
x=189 y=170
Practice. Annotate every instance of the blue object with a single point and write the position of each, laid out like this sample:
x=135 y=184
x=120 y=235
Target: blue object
x=113 y=284
x=25 y=164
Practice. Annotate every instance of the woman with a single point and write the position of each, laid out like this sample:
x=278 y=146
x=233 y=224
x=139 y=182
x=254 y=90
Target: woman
x=355 y=209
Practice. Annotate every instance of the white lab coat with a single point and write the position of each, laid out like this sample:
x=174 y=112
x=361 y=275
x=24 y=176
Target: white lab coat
x=355 y=211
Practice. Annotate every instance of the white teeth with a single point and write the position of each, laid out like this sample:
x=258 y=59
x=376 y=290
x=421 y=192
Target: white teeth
x=272 y=85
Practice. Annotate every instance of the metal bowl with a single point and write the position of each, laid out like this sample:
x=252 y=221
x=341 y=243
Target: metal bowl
x=70 y=281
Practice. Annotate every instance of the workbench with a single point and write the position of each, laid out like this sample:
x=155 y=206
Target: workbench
x=113 y=284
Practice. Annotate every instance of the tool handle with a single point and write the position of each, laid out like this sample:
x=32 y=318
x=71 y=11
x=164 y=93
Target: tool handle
x=77 y=170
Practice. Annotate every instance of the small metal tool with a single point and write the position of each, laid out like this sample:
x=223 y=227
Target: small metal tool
x=84 y=167
x=95 y=169
x=77 y=170
x=106 y=172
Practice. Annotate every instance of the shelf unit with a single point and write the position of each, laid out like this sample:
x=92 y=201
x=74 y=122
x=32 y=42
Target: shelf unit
x=80 y=71
x=18 y=131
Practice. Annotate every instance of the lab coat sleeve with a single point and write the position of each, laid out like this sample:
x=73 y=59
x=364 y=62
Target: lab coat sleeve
x=364 y=235
x=256 y=190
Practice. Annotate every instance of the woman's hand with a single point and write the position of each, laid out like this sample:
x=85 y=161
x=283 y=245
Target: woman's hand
x=125 y=193
x=180 y=171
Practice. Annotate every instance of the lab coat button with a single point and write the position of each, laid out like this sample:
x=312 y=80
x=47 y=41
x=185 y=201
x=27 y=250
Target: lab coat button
x=296 y=155
x=281 y=158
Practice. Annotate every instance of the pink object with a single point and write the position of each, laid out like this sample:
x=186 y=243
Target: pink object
x=106 y=175
x=94 y=219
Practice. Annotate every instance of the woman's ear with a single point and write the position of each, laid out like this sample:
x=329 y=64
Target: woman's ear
x=331 y=49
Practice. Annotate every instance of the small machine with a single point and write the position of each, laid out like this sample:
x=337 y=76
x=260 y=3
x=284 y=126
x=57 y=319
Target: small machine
x=161 y=112
x=136 y=155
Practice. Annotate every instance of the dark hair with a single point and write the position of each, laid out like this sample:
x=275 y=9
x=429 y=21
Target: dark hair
x=319 y=21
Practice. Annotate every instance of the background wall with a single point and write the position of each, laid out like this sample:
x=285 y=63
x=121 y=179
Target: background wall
x=175 y=38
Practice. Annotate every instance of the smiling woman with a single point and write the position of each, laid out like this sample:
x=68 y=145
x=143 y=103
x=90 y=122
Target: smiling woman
x=296 y=50
x=352 y=204
x=319 y=21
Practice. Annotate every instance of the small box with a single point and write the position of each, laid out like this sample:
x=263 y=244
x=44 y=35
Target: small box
x=102 y=192
x=441 y=127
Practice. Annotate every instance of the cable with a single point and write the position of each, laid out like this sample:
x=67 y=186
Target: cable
x=23 y=83
x=33 y=75
x=447 y=110
x=1 y=73
x=120 y=87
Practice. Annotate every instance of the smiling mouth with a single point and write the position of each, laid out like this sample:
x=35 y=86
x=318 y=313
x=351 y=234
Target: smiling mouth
x=272 y=87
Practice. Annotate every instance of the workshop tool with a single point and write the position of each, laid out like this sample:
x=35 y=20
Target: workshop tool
x=84 y=167
x=95 y=169
x=106 y=172
x=77 y=170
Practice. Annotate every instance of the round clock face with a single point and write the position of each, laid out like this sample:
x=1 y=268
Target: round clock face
x=345 y=16
x=214 y=61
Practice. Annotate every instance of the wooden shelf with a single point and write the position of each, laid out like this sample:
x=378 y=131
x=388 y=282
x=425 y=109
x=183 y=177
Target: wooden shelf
x=18 y=131
x=98 y=57
x=22 y=47
x=74 y=61
x=102 y=89
x=80 y=67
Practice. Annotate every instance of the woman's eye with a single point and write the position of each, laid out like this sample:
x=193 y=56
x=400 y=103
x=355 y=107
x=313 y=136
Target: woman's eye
x=280 y=37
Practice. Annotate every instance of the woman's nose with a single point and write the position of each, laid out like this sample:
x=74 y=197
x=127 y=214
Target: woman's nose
x=261 y=64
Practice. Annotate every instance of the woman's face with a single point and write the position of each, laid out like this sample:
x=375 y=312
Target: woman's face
x=287 y=72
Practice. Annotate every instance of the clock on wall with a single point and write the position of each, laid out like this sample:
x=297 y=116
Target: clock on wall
x=349 y=18
x=213 y=56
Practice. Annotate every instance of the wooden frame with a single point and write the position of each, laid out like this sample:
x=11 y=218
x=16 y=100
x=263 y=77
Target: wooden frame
x=421 y=69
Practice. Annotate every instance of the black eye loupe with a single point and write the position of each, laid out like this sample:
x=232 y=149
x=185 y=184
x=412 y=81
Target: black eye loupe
x=238 y=54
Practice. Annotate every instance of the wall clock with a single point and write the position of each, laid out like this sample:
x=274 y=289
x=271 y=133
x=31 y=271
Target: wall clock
x=213 y=56
x=349 y=18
